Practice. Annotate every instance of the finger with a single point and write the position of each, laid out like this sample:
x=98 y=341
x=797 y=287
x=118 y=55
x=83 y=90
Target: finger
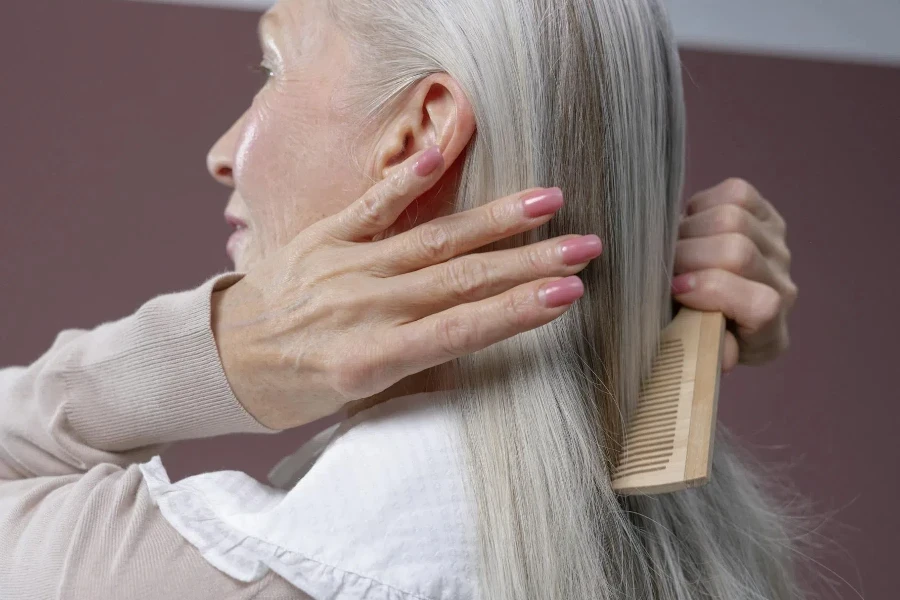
x=733 y=191
x=443 y=238
x=384 y=202
x=475 y=277
x=730 y=352
x=469 y=328
x=733 y=252
x=731 y=218
x=752 y=305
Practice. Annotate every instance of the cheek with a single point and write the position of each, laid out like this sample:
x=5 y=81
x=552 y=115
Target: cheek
x=291 y=166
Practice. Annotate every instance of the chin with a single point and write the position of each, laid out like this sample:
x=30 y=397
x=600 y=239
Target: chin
x=242 y=264
x=240 y=257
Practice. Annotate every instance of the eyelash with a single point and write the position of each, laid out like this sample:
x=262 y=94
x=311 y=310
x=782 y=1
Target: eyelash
x=262 y=69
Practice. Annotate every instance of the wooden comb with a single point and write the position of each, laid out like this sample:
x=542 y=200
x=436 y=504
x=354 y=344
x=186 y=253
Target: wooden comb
x=668 y=442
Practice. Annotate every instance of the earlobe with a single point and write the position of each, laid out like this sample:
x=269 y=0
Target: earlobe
x=436 y=112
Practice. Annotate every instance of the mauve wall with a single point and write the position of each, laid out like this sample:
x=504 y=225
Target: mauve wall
x=108 y=108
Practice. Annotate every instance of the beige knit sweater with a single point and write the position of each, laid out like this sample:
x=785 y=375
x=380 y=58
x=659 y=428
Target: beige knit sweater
x=76 y=519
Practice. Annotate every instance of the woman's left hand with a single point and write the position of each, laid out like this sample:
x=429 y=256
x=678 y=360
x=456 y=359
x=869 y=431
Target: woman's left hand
x=732 y=256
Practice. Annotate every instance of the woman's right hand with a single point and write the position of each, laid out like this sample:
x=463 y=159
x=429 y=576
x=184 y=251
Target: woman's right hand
x=335 y=317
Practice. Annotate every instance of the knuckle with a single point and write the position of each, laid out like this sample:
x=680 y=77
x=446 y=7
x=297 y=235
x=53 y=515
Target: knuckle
x=740 y=253
x=433 y=242
x=791 y=294
x=766 y=306
x=399 y=181
x=731 y=218
x=497 y=216
x=465 y=276
x=351 y=377
x=780 y=224
x=456 y=335
x=739 y=190
x=368 y=210
x=518 y=310
x=537 y=260
x=786 y=255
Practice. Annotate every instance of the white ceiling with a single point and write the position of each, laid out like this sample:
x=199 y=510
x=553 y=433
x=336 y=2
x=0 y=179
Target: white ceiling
x=855 y=30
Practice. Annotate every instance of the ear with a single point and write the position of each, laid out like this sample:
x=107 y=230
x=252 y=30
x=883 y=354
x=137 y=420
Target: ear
x=435 y=113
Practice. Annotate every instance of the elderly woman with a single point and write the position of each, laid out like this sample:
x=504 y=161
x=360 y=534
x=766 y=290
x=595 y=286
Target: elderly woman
x=390 y=141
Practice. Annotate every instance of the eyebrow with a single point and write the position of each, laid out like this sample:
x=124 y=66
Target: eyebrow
x=268 y=22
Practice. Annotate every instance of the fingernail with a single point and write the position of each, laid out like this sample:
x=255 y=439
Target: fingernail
x=430 y=160
x=683 y=284
x=542 y=202
x=579 y=250
x=562 y=292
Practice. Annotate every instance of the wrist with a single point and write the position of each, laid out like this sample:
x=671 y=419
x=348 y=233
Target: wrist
x=222 y=318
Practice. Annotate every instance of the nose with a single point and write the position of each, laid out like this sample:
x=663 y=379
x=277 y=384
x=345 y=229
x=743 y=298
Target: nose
x=220 y=160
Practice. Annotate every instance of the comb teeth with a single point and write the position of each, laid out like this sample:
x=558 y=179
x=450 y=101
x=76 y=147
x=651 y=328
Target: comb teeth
x=650 y=437
x=668 y=440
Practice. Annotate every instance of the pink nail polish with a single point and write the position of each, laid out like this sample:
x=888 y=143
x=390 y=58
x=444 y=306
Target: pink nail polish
x=542 y=202
x=562 y=292
x=683 y=284
x=430 y=160
x=580 y=250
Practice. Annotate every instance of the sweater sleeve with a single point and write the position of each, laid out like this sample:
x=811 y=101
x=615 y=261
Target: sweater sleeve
x=98 y=535
x=76 y=518
x=119 y=393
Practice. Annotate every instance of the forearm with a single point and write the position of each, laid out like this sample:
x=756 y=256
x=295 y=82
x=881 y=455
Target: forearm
x=120 y=392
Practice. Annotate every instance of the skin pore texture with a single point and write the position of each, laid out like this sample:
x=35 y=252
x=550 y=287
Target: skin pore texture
x=279 y=156
x=295 y=156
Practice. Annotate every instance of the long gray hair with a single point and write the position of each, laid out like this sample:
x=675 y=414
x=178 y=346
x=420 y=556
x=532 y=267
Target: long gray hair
x=585 y=95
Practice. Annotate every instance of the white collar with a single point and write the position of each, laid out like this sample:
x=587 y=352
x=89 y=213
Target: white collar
x=374 y=508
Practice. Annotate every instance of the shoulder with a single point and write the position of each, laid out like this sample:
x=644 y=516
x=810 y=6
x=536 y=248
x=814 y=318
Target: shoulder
x=382 y=512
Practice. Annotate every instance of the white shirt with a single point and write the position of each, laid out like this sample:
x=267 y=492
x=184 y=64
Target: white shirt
x=374 y=508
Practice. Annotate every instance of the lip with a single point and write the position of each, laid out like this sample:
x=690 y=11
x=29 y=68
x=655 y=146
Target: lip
x=237 y=237
x=235 y=221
